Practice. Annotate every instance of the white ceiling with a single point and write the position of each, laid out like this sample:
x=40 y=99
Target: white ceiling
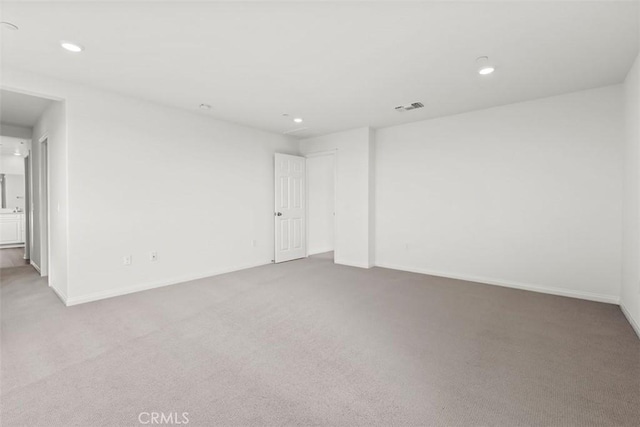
x=337 y=65
x=21 y=110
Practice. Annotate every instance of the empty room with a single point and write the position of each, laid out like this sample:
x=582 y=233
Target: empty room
x=294 y=213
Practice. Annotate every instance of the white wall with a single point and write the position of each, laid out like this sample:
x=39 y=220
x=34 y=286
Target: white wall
x=525 y=195
x=630 y=293
x=352 y=243
x=372 y=197
x=320 y=206
x=53 y=125
x=145 y=177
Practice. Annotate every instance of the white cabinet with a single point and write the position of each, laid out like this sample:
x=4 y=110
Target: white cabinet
x=12 y=228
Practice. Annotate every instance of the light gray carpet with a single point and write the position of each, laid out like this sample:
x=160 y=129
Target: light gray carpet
x=12 y=257
x=312 y=343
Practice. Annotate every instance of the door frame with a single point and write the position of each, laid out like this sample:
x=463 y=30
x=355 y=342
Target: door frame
x=45 y=209
x=27 y=205
x=334 y=153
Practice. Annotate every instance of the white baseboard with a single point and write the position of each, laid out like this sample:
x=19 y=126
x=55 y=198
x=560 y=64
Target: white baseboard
x=634 y=323
x=60 y=295
x=320 y=251
x=96 y=296
x=611 y=299
x=12 y=245
x=36 y=266
x=352 y=264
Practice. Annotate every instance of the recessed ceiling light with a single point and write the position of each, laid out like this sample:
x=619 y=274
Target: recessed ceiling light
x=9 y=26
x=17 y=153
x=484 y=67
x=297 y=120
x=205 y=106
x=71 y=47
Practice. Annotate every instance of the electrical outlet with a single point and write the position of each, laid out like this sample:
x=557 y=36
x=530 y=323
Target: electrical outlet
x=153 y=256
x=126 y=260
x=254 y=243
x=406 y=246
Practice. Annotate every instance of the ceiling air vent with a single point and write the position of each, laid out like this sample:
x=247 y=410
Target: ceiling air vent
x=409 y=107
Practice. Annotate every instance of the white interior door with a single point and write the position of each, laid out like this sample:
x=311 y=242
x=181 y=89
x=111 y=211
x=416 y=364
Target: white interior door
x=290 y=212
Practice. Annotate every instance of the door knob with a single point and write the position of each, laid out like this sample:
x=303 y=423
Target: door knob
x=279 y=213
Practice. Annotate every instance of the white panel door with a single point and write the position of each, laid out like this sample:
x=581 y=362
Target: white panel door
x=290 y=208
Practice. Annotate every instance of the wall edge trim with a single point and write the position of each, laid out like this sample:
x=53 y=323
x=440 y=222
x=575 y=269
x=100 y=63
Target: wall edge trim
x=634 y=324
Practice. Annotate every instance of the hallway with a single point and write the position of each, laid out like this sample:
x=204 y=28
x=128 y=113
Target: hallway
x=12 y=257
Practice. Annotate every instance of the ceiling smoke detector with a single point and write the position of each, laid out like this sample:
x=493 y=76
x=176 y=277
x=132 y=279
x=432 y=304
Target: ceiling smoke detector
x=412 y=106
